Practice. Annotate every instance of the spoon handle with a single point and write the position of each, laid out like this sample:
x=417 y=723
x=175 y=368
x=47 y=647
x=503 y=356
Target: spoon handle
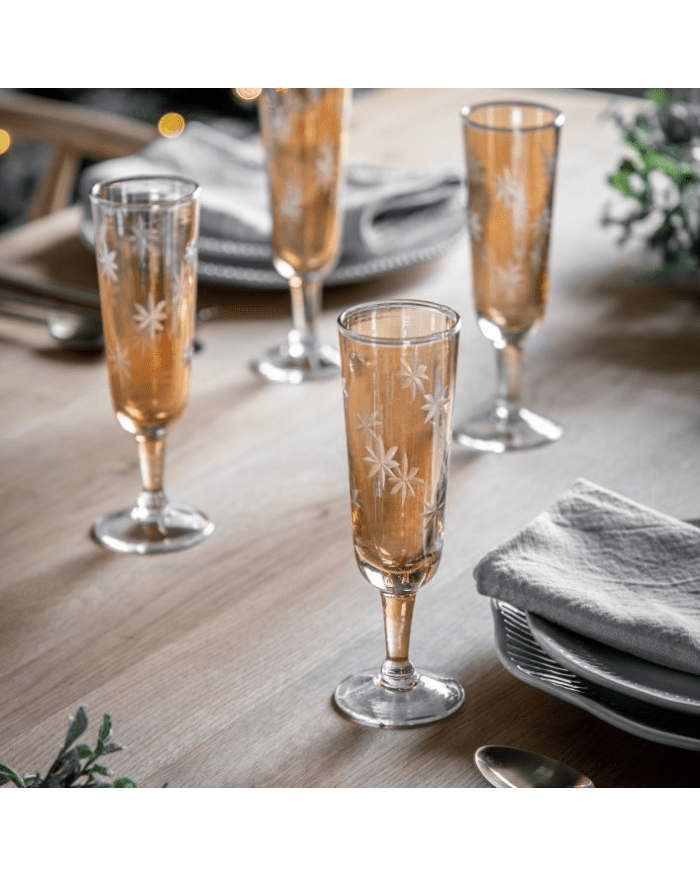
x=44 y=307
x=45 y=290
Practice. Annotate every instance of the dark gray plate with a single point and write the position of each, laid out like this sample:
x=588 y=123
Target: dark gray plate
x=523 y=657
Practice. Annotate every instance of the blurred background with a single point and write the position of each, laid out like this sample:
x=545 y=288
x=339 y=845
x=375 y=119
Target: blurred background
x=24 y=161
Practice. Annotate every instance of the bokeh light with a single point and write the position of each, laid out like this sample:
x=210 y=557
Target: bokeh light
x=247 y=94
x=172 y=124
x=5 y=141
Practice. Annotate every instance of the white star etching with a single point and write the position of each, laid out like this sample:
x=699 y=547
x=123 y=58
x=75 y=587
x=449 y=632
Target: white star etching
x=475 y=228
x=509 y=279
x=325 y=164
x=433 y=511
x=107 y=260
x=291 y=205
x=413 y=374
x=437 y=404
x=119 y=361
x=509 y=190
x=540 y=228
x=150 y=320
x=381 y=460
x=404 y=479
x=367 y=422
x=139 y=237
x=191 y=254
x=176 y=292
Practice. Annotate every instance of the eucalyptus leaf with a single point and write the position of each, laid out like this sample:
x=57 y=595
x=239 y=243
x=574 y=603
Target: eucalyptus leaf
x=76 y=726
x=8 y=774
x=106 y=728
x=660 y=181
x=75 y=766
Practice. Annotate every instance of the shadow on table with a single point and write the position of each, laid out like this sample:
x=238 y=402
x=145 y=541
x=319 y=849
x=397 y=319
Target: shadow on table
x=551 y=726
x=643 y=324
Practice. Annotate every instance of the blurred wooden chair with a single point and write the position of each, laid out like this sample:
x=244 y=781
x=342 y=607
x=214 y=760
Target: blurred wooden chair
x=74 y=133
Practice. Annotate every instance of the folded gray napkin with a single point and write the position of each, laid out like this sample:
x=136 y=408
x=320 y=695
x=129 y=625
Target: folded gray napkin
x=608 y=568
x=385 y=209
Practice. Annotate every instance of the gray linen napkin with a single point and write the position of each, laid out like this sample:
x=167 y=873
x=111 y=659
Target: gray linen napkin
x=385 y=209
x=608 y=568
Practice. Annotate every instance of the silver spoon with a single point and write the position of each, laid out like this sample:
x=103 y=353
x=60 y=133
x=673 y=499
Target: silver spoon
x=77 y=332
x=513 y=767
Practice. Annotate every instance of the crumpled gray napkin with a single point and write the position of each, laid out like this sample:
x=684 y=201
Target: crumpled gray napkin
x=385 y=209
x=608 y=568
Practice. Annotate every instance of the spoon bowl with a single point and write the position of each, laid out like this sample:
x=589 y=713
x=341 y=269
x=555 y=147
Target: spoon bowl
x=512 y=767
x=79 y=333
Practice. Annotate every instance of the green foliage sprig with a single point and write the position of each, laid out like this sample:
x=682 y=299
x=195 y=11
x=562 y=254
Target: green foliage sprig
x=76 y=764
x=661 y=177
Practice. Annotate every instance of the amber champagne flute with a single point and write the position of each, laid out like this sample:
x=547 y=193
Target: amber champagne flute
x=304 y=133
x=146 y=248
x=398 y=362
x=511 y=154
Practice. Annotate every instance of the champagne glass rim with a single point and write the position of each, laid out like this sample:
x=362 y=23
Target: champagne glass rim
x=557 y=120
x=396 y=304
x=99 y=191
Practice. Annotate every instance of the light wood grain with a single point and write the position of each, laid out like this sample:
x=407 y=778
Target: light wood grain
x=218 y=663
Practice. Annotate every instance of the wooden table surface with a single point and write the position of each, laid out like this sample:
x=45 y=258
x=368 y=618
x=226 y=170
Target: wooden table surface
x=217 y=664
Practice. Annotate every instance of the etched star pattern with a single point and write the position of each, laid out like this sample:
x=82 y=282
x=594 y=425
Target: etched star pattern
x=540 y=228
x=509 y=279
x=119 y=361
x=150 y=319
x=475 y=227
x=404 y=479
x=176 y=293
x=107 y=260
x=191 y=255
x=367 y=422
x=413 y=374
x=290 y=206
x=139 y=237
x=437 y=404
x=509 y=190
x=325 y=165
x=382 y=461
x=433 y=511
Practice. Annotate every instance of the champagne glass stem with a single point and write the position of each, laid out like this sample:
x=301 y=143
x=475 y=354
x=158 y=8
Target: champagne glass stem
x=509 y=358
x=151 y=448
x=306 y=296
x=397 y=671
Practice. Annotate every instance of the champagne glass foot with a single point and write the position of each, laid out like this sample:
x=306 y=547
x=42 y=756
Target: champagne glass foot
x=365 y=699
x=174 y=528
x=287 y=365
x=515 y=430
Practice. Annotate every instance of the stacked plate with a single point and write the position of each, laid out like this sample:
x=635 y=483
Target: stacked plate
x=249 y=265
x=640 y=697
